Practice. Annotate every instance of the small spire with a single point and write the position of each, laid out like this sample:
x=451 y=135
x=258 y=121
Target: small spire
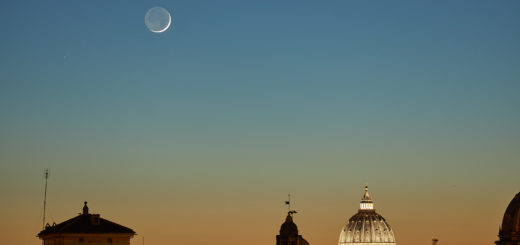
x=85 y=208
x=366 y=201
x=289 y=217
x=366 y=196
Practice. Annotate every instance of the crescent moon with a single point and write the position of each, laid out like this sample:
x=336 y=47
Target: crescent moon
x=157 y=19
x=167 y=26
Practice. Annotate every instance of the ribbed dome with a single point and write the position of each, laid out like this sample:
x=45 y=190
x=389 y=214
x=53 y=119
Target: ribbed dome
x=366 y=226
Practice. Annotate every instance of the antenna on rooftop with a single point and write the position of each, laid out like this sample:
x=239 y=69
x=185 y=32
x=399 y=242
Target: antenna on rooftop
x=46 y=175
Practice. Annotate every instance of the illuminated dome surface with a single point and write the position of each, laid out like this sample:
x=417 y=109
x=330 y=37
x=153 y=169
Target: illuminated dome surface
x=367 y=227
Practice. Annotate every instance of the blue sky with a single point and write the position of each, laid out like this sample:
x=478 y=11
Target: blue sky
x=240 y=68
x=266 y=74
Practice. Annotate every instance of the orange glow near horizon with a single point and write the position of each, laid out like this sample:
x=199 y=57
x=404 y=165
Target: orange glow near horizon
x=224 y=217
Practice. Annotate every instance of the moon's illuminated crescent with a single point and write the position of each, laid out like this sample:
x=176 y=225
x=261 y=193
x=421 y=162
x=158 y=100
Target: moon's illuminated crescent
x=157 y=20
x=167 y=26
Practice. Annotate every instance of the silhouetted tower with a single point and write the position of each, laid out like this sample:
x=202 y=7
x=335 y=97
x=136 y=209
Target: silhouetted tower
x=289 y=231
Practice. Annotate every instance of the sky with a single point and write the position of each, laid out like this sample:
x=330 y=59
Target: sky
x=196 y=135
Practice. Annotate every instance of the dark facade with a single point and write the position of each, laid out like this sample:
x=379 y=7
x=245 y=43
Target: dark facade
x=86 y=228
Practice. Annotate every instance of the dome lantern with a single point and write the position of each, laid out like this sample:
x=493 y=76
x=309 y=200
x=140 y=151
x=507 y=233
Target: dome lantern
x=366 y=201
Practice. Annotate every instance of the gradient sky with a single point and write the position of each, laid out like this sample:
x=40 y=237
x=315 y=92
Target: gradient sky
x=196 y=136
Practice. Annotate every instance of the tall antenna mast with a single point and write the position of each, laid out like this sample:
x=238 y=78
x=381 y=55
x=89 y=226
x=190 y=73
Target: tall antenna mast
x=46 y=175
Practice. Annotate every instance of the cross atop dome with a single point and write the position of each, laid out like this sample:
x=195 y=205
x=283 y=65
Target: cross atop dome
x=290 y=212
x=366 y=201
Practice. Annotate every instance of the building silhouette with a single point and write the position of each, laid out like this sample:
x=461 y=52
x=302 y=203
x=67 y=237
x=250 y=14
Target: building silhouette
x=86 y=228
x=509 y=232
x=366 y=227
x=289 y=233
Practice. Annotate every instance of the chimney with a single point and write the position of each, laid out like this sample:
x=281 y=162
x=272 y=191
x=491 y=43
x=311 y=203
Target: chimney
x=434 y=241
x=94 y=218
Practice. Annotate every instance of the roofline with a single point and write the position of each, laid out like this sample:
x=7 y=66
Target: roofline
x=86 y=234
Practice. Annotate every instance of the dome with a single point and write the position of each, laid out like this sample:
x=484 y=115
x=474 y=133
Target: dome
x=366 y=226
x=509 y=232
x=289 y=228
x=289 y=232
